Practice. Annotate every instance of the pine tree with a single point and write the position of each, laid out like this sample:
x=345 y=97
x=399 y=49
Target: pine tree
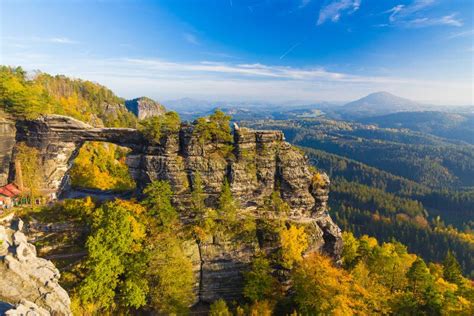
x=158 y=202
x=227 y=206
x=198 y=196
x=452 y=269
x=259 y=282
x=419 y=276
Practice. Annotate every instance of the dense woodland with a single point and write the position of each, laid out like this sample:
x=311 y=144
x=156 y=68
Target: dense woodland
x=425 y=159
x=25 y=95
x=418 y=202
x=456 y=126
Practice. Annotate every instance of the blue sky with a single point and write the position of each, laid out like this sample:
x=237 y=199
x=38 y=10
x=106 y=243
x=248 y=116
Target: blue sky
x=268 y=50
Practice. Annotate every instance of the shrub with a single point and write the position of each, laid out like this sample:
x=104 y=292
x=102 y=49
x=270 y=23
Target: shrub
x=155 y=127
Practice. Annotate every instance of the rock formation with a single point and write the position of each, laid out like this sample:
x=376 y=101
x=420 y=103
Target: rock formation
x=25 y=308
x=144 y=107
x=256 y=163
x=24 y=276
x=7 y=141
x=58 y=139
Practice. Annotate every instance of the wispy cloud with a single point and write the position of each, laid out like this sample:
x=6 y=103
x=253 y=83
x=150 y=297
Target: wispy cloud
x=462 y=34
x=335 y=9
x=402 y=11
x=38 y=39
x=304 y=3
x=59 y=40
x=190 y=38
x=130 y=77
x=413 y=15
x=450 y=20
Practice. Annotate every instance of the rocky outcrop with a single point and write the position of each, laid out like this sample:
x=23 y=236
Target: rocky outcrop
x=256 y=163
x=260 y=163
x=7 y=141
x=27 y=277
x=145 y=107
x=25 y=308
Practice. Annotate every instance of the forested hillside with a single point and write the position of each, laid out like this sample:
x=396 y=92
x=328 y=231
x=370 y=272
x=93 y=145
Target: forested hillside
x=393 y=184
x=428 y=160
x=29 y=95
x=456 y=126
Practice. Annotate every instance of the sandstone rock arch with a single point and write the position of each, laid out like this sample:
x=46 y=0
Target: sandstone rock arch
x=58 y=140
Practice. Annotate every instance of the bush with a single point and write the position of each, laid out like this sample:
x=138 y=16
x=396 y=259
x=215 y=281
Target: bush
x=155 y=127
x=219 y=308
x=215 y=128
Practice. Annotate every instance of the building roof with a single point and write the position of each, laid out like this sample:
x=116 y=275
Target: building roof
x=9 y=190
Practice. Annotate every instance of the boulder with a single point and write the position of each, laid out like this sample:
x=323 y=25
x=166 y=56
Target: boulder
x=27 y=278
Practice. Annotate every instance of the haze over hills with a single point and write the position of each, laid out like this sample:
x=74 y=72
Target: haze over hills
x=374 y=104
x=379 y=103
x=458 y=126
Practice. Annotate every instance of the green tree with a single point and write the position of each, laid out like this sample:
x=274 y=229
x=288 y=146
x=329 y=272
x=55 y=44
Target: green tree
x=116 y=241
x=259 y=282
x=350 y=253
x=157 y=200
x=227 y=209
x=275 y=204
x=215 y=128
x=419 y=276
x=171 y=275
x=452 y=269
x=219 y=308
x=155 y=127
x=198 y=196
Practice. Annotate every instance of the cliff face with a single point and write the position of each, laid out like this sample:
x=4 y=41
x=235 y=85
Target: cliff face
x=256 y=163
x=24 y=276
x=144 y=107
x=261 y=163
x=7 y=141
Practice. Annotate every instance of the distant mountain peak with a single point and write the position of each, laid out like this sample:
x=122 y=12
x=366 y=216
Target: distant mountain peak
x=384 y=96
x=379 y=103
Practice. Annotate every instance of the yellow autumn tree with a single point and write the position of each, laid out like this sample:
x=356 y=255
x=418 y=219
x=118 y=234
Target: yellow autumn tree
x=294 y=242
x=323 y=289
x=101 y=166
x=30 y=169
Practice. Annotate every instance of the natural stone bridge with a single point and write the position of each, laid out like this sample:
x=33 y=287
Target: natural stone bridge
x=59 y=138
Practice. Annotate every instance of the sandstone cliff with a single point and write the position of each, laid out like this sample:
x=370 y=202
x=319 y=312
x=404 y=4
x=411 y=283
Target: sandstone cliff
x=25 y=277
x=144 y=107
x=7 y=141
x=256 y=163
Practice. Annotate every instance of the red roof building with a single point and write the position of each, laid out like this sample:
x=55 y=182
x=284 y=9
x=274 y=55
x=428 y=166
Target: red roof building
x=8 y=196
x=10 y=190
